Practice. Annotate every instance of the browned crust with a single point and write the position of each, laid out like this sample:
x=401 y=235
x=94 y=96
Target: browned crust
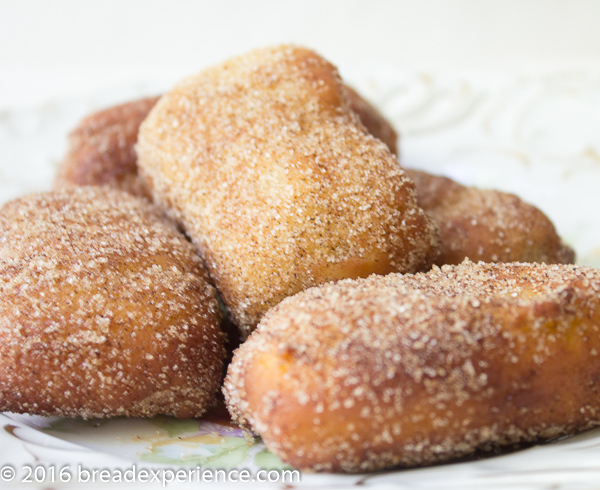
x=482 y=225
x=105 y=310
x=411 y=370
x=276 y=181
x=102 y=146
x=102 y=149
x=487 y=225
x=373 y=120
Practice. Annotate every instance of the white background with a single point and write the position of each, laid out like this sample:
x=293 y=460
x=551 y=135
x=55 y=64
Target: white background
x=64 y=48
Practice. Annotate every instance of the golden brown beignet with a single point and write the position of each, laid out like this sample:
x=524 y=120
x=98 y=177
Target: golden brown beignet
x=410 y=370
x=102 y=149
x=102 y=146
x=487 y=225
x=476 y=224
x=105 y=310
x=482 y=225
x=276 y=181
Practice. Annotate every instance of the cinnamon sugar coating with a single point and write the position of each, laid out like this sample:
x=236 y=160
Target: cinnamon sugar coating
x=487 y=225
x=102 y=146
x=105 y=310
x=373 y=120
x=484 y=225
x=409 y=370
x=276 y=181
x=102 y=149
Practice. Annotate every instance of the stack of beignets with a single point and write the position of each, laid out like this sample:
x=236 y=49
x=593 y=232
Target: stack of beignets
x=102 y=146
x=477 y=224
x=284 y=178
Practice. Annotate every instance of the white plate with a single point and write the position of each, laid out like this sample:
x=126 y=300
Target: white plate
x=535 y=135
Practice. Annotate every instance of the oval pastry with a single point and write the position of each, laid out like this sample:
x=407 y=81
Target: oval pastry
x=277 y=182
x=487 y=225
x=105 y=310
x=409 y=370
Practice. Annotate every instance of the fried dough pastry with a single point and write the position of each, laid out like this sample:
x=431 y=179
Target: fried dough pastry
x=482 y=225
x=410 y=370
x=102 y=149
x=105 y=310
x=277 y=182
x=486 y=225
